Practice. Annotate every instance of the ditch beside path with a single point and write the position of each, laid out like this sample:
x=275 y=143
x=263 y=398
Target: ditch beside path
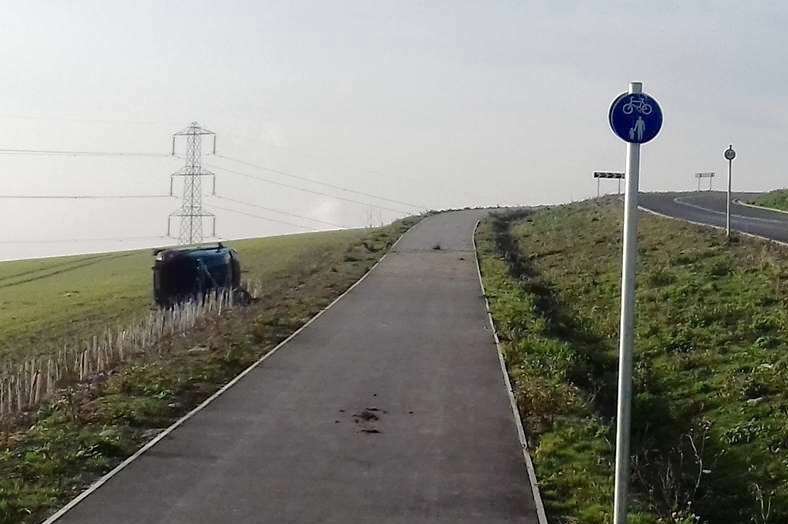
x=389 y=408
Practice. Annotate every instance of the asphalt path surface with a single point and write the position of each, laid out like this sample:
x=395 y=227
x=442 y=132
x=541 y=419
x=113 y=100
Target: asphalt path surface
x=708 y=207
x=389 y=408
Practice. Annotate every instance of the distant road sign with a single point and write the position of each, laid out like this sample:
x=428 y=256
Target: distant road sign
x=607 y=174
x=708 y=175
x=635 y=117
x=730 y=154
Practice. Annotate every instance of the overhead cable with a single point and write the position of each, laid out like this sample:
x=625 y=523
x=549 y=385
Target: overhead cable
x=64 y=240
x=67 y=152
x=81 y=197
x=214 y=206
x=319 y=182
x=282 y=184
x=87 y=120
x=280 y=211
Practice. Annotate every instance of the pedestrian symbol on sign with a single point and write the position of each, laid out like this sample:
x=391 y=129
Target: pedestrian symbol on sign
x=637 y=130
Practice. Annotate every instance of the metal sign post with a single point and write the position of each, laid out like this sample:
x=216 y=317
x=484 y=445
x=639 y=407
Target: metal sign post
x=709 y=175
x=607 y=174
x=636 y=118
x=730 y=154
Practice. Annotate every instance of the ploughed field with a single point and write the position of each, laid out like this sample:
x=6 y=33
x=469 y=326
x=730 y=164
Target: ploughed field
x=710 y=410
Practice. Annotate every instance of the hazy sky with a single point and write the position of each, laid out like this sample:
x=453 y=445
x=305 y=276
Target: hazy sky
x=441 y=104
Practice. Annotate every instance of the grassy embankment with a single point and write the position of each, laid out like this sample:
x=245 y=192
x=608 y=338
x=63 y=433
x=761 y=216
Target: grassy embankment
x=53 y=453
x=710 y=413
x=48 y=302
x=777 y=199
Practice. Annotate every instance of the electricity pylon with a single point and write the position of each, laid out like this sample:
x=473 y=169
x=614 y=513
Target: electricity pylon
x=191 y=212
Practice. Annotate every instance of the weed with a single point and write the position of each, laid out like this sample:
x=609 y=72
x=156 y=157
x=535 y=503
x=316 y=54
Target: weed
x=763 y=508
x=660 y=277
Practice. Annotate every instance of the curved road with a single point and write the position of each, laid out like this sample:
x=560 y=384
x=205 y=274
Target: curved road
x=708 y=207
x=389 y=408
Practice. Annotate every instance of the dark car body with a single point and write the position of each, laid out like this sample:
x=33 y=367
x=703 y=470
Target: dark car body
x=180 y=274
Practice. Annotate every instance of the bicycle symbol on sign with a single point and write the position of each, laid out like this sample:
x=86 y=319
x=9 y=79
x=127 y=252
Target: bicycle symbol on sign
x=637 y=104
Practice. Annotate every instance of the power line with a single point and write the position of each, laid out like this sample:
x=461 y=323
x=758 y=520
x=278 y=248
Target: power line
x=261 y=217
x=81 y=197
x=281 y=212
x=67 y=152
x=282 y=184
x=85 y=120
x=319 y=182
x=62 y=241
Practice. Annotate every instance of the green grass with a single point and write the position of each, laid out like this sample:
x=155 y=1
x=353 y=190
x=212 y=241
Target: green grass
x=777 y=199
x=46 y=302
x=52 y=454
x=710 y=365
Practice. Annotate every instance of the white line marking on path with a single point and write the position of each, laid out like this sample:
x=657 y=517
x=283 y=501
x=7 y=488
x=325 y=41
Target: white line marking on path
x=764 y=208
x=752 y=235
x=540 y=513
x=683 y=202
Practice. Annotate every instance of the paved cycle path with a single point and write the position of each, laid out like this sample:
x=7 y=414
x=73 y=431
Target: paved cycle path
x=389 y=408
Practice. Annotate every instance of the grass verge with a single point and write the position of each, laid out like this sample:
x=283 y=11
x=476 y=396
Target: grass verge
x=55 y=452
x=45 y=303
x=777 y=199
x=710 y=410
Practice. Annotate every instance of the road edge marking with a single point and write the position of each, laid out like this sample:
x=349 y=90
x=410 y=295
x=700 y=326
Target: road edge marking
x=682 y=201
x=755 y=206
x=751 y=235
x=175 y=425
x=540 y=513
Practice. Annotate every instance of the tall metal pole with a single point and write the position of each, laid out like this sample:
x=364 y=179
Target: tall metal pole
x=597 y=188
x=728 y=206
x=729 y=155
x=627 y=325
x=191 y=212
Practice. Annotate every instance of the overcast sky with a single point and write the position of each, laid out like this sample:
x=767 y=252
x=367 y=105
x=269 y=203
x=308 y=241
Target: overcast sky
x=440 y=104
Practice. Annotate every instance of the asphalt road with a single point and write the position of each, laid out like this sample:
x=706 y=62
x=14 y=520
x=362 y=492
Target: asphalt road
x=408 y=349
x=708 y=207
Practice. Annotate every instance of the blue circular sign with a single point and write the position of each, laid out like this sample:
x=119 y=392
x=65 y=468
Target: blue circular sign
x=635 y=117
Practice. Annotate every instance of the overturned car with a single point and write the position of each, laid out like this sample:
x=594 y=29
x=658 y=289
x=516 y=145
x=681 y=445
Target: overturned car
x=186 y=273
